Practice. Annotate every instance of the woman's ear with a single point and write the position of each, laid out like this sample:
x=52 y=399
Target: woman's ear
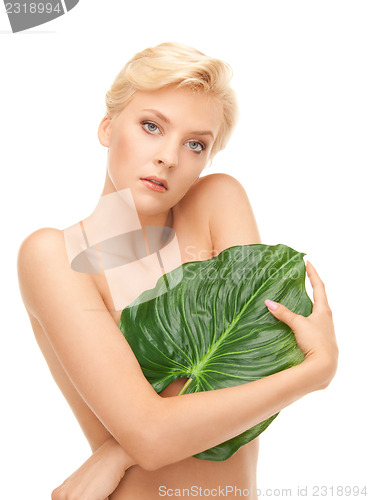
x=104 y=131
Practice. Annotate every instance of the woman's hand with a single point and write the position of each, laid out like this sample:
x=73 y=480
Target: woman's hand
x=98 y=476
x=315 y=334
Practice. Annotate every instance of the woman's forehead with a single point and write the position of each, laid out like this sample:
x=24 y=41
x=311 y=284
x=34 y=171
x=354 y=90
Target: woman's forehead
x=173 y=104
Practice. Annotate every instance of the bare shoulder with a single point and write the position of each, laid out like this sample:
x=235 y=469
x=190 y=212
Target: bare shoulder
x=221 y=179
x=41 y=239
x=231 y=218
x=43 y=266
x=40 y=248
x=205 y=191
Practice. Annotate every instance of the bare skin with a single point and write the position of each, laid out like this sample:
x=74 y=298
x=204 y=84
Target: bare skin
x=129 y=426
x=193 y=233
x=192 y=228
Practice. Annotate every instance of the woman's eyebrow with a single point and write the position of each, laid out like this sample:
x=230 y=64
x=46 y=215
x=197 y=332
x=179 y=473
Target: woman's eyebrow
x=166 y=120
x=158 y=114
x=203 y=132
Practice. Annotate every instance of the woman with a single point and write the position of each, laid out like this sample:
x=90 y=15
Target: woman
x=169 y=111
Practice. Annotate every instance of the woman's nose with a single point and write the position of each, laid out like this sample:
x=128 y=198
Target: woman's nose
x=167 y=155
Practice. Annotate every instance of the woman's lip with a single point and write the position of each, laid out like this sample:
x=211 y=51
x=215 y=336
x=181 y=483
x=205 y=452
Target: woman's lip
x=154 y=178
x=153 y=186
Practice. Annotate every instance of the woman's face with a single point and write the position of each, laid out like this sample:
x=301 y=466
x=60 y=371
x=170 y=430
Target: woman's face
x=167 y=133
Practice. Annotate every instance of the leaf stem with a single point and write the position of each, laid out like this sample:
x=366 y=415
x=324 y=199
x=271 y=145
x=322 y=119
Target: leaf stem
x=185 y=387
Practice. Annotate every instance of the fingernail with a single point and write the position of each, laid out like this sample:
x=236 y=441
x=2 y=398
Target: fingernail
x=271 y=305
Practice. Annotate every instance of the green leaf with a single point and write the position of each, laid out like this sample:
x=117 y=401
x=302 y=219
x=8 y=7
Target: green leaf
x=207 y=321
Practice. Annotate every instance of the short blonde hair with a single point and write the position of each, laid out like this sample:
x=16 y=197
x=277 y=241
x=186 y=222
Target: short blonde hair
x=174 y=63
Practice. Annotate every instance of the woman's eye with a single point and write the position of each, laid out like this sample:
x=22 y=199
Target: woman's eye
x=150 y=127
x=196 y=146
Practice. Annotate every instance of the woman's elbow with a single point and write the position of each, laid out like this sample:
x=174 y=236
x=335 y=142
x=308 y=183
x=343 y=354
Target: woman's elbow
x=147 y=439
x=149 y=452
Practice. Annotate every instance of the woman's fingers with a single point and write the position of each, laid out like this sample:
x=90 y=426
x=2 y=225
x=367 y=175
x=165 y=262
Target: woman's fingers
x=282 y=313
x=314 y=334
x=320 y=297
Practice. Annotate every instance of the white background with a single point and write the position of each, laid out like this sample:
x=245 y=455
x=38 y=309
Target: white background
x=300 y=151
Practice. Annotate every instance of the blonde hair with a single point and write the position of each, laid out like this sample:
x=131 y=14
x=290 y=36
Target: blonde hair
x=174 y=63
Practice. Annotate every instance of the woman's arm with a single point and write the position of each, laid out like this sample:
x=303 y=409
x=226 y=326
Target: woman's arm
x=102 y=444
x=98 y=476
x=154 y=431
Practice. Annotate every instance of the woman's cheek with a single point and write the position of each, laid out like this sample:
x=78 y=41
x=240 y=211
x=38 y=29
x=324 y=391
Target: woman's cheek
x=117 y=159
